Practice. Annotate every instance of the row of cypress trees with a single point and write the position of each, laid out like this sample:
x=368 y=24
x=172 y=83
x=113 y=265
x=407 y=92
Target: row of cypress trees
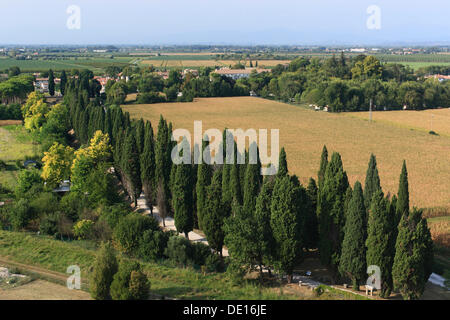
x=360 y=228
x=267 y=223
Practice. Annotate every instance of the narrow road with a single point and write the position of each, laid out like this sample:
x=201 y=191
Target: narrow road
x=170 y=223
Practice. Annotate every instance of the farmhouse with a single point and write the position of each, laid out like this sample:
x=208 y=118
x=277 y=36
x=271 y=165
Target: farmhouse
x=103 y=81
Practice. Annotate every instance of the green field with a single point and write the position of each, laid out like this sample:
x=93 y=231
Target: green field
x=96 y=64
x=15 y=144
x=181 y=283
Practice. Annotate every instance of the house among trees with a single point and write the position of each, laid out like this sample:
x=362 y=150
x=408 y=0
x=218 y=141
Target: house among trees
x=64 y=187
x=41 y=84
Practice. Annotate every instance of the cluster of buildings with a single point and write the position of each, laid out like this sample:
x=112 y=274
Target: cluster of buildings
x=41 y=84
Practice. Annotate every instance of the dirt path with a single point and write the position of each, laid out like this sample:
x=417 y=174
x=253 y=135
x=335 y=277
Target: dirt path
x=170 y=224
x=42 y=290
x=41 y=272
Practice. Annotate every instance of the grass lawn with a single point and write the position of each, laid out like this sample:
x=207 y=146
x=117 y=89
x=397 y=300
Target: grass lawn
x=15 y=144
x=182 y=283
x=303 y=133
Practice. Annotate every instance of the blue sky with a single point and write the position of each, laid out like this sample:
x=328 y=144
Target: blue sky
x=325 y=22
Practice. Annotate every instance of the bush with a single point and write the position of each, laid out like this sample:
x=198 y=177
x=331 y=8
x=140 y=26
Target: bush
x=72 y=204
x=26 y=180
x=20 y=215
x=214 y=263
x=123 y=287
x=139 y=286
x=19 y=164
x=2 y=165
x=129 y=230
x=152 y=245
x=105 y=266
x=200 y=253
x=179 y=250
x=44 y=203
x=49 y=224
x=112 y=214
x=83 y=229
x=149 y=97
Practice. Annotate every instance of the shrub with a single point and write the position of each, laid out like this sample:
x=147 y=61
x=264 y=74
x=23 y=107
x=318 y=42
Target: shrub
x=44 y=203
x=179 y=250
x=112 y=214
x=72 y=204
x=26 y=180
x=123 y=287
x=153 y=244
x=49 y=224
x=20 y=215
x=19 y=164
x=200 y=253
x=2 y=165
x=139 y=286
x=214 y=263
x=83 y=229
x=105 y=266
x=128 y=231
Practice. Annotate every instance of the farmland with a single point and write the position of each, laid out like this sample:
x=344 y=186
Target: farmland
x=303 y=133
x=96 y=64
x=437 y=120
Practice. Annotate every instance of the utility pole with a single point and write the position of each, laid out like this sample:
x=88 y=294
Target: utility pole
x=370 y=111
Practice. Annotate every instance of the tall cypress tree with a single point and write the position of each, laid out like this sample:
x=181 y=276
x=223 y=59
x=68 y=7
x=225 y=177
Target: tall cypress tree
x=311 y=231
x=251 y=187
x=63 y=82
x=226 y=192
x=203 y=181
x=235 y=185
x=282 y=164
x=403 y=194
x=51 y=83
x=182 y=199
x=163 y=166
x=330 y=213
x=214 y=213
x=323 y=166
x=148 y=166
x=352 y=263
x=379 y=243
x=131 y=165
x=372 y=184
x=413 y=256
x=140 y=134
x=266 y=241
x=286 y=222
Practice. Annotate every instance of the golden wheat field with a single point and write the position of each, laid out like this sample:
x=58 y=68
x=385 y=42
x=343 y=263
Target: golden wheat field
x=303 y=133
x=182 y=63
x=261 y=63
x=437 y=120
